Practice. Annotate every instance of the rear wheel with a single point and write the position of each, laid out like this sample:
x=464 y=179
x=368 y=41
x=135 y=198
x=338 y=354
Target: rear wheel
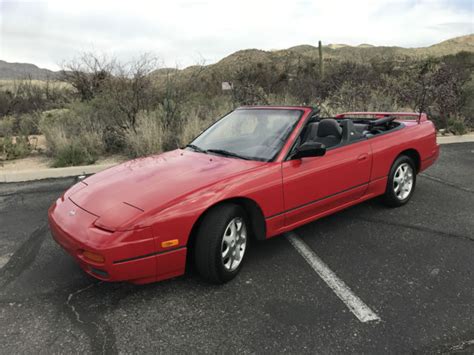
x=221 y=243
x=401 y=182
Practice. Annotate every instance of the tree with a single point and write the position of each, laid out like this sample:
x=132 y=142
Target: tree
x=87 y=73
x=131 y=90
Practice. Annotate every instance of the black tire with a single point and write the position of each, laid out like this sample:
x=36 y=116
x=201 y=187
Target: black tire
x=390 y=197
x=208 y=245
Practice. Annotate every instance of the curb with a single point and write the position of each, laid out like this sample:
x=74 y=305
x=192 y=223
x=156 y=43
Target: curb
x=455 y=139
x=40 y=174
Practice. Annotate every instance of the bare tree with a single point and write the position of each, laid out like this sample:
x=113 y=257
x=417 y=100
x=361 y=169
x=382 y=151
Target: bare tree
x=87 y=73
x=131 y=89
x=175 y=86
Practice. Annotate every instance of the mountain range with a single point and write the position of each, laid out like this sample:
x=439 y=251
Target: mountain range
x=12 y=71
x=360 y=53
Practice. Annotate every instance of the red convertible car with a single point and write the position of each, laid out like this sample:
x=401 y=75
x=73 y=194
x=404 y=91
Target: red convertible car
x=255 y=173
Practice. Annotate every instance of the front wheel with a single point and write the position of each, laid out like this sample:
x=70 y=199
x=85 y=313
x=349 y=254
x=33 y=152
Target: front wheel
x=401 y=182
x=221 y=243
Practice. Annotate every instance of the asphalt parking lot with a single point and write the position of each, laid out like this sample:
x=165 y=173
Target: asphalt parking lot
x=413 y=267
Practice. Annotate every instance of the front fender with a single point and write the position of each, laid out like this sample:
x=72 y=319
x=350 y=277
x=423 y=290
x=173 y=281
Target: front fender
x=263 y=186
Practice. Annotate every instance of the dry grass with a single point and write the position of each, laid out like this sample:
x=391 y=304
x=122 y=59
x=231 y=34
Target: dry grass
x=71 y=140
x=11 y=84
x=147 y=138
x=194 y=126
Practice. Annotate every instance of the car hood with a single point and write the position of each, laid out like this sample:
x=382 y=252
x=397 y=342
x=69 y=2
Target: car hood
x=137 y=186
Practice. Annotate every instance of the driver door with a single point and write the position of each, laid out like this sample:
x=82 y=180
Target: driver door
x=315 y=185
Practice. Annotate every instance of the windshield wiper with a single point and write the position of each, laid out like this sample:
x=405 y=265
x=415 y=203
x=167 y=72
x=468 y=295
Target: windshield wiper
x=196 y=148
x=228 y=154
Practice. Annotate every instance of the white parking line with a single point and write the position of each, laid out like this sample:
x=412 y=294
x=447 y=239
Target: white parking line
x=354 y=303
x=4 y=259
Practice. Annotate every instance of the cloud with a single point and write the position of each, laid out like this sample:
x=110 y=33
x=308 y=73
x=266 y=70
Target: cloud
x=179 y=32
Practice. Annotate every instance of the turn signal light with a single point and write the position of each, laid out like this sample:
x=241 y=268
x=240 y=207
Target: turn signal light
x=169 y=243
x=93 y=256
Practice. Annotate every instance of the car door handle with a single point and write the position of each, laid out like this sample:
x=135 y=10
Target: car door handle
x=362 y=157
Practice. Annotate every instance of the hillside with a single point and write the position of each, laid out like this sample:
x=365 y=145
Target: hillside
x=12 y=71
x=365 y=51
x=360 y=53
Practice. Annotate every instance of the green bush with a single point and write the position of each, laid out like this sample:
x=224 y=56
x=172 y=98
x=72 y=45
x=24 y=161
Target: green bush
x=12 y=147
x=15 y=147
x=28 y=124
x=73 y=155
x=359 y=97
x=6 y=126
x=71 y=139
x=25 y=124
x=457 y=126
x=114 y=140
x=467 y=110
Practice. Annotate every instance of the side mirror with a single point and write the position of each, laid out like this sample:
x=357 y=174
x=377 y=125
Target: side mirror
x=310 y=149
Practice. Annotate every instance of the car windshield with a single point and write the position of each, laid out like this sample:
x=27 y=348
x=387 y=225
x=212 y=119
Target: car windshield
x=255 y=134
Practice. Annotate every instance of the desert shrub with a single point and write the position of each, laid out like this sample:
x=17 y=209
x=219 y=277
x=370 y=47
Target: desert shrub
x=249 y=94
x=349 y=97
x=114 y=139
x=73 y=154
x=12 y=147
x=457 y=125
x=27 y=96
x=28 y=123
x=113 y=94
x=195 y=124
x=147 y=137
x=71 y=139
x=381 y=100
x=467 y=109
x=119 y=91
x=285 y=99
x=6 y=126
x=359 y=97
x=74 y=150
x=198 y=116
x=21 y=124
x=15 y=147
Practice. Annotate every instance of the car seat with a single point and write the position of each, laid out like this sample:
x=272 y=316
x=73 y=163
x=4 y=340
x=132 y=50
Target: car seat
x=329 y=132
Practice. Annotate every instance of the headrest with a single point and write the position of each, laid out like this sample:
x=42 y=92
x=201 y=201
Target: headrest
x=329 y=127
x=348 y=129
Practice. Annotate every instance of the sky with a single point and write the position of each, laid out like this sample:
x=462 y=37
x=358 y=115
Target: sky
x=186 y=32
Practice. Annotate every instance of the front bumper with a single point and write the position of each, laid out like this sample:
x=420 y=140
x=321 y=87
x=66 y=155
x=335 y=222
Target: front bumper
x=128 y=256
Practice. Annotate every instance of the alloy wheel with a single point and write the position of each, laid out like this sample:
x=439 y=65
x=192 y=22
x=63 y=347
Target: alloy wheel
x=234 y=243
x=403 y=181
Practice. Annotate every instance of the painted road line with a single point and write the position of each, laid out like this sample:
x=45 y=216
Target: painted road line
x=4 y=259
x=354 y=303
